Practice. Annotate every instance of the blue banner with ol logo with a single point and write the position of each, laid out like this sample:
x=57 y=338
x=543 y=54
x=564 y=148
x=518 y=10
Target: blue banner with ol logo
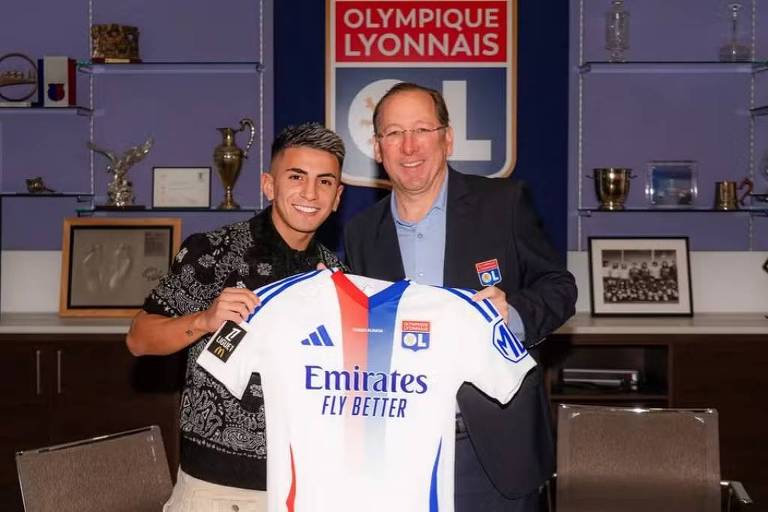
x=464 y=48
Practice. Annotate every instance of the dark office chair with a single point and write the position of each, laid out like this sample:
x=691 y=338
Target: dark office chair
x=119 y=472
x=631 y=460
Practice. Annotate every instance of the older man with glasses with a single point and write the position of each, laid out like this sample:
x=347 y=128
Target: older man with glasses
x=444 y=228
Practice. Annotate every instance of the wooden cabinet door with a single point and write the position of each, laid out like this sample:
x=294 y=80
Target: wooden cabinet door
x=728 y=374
x=93 y=380
x=24 y=395
x=101 y=389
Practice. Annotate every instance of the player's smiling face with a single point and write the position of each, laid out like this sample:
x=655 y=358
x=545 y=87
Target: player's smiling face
x=304 y=186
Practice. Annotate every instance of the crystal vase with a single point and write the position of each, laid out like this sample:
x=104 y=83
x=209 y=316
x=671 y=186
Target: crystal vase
x=617 y=31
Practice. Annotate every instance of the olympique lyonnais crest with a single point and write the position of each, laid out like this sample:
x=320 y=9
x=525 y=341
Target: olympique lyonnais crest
x=415 y=335
x=464 y=48
x=488 y=272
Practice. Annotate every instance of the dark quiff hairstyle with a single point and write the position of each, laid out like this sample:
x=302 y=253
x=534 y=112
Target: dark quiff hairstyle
x=310 y=135
x=437 y=99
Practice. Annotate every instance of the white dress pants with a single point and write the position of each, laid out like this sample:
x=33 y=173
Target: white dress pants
x=191 y=494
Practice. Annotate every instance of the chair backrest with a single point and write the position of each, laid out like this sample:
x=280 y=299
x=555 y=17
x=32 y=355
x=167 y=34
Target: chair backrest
x=631 y=459
x=119 y=472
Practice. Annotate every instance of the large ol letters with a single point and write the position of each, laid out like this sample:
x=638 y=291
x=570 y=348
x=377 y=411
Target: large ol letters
x=465 y=49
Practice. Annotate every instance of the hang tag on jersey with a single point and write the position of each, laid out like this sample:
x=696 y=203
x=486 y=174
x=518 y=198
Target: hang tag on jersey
x=225 y=340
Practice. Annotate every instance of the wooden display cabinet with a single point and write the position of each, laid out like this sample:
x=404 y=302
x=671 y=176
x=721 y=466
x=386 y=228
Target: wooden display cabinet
x=57 y=388
x=706 y=370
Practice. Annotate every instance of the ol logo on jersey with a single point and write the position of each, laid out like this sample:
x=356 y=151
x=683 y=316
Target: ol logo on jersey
x=507 y=343
x=488 y=272
x=415 y=335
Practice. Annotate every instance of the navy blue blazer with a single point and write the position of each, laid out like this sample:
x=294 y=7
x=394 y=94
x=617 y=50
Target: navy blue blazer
x=489 y=219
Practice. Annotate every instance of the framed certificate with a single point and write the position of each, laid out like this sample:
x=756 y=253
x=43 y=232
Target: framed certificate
x=181 y=187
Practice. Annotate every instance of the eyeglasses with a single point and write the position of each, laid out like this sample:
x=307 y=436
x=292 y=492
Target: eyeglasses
x=396 y=137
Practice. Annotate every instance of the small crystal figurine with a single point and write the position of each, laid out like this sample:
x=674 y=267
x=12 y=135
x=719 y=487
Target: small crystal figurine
x=617 y=31
x=733 y=50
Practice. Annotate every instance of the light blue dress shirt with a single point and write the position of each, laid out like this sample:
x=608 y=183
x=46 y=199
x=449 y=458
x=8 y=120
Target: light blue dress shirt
x=422 y=243
x=422 y=249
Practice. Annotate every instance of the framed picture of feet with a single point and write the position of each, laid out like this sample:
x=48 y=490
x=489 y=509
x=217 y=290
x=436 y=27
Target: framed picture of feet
x=108 y=265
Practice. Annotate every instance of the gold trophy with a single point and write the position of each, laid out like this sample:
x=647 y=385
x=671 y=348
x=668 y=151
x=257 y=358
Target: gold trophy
x=612 y=186
x=229 y=159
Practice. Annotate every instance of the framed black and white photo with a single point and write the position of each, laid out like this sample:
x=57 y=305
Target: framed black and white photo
x=181 y=187
x=672 y=184
x=108 y=266
x=640 y=276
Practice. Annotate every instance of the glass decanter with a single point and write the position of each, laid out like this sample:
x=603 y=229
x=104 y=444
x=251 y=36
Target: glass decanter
x=617 y=31
x=733 y=50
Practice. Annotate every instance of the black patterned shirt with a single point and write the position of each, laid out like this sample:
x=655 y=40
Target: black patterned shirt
x=222 y=439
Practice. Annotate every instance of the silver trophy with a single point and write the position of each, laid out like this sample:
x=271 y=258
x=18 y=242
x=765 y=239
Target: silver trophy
x=120 y=190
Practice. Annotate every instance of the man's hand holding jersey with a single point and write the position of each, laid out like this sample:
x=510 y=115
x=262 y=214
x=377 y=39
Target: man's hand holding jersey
x=497 y=297
x=152 y=334
x=235 y=304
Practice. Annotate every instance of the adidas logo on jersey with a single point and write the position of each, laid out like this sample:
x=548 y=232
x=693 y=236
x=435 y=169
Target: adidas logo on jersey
x=319 y=338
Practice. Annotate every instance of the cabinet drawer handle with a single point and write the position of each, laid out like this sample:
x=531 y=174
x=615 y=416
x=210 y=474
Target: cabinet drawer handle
x=38 y=382
x=58 y=371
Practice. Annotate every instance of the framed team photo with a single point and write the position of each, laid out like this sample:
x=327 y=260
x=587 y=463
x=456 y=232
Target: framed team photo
x=640 y=276
x=108 y=266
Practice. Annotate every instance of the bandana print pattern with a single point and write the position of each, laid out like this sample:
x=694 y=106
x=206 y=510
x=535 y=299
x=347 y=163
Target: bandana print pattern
x=246 y=254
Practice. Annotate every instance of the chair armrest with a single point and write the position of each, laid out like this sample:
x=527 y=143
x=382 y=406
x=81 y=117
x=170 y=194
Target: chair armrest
x=546 y=494
x=736 y=489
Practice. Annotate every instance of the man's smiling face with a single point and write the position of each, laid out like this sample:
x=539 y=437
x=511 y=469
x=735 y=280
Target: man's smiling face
x=304 y=186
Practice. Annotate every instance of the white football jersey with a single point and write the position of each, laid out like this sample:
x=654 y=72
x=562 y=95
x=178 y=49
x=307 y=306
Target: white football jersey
x=360 y=379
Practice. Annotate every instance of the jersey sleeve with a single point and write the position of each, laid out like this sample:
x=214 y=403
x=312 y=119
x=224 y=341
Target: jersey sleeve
x=232 y=355
x=236 y=351
x=490 y=356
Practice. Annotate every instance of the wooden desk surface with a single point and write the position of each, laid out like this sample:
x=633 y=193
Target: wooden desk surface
x=52 y=323
x=703 y=323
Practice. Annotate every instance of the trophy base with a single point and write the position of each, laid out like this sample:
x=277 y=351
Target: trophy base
x=112 y=207
x=611 y=207
x=229 y=206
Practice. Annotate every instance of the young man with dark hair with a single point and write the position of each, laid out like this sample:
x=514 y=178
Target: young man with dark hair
x=223 y=442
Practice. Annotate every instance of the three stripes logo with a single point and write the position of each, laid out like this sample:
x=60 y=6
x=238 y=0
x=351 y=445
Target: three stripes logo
x=318 y=338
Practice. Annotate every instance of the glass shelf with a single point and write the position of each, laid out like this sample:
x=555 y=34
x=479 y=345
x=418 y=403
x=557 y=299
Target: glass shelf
x=80 y=111
x=759 y=211
x=90 y=210
x=759 y=111
x=145 y=68
x=80 y=196
x=670 y=67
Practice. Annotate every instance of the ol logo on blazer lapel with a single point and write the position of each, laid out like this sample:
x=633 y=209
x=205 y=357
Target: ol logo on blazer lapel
x=488 y=272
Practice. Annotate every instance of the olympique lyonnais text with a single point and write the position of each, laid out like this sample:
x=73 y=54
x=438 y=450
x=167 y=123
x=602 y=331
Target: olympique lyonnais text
x=411 y=31
x=384 y=384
